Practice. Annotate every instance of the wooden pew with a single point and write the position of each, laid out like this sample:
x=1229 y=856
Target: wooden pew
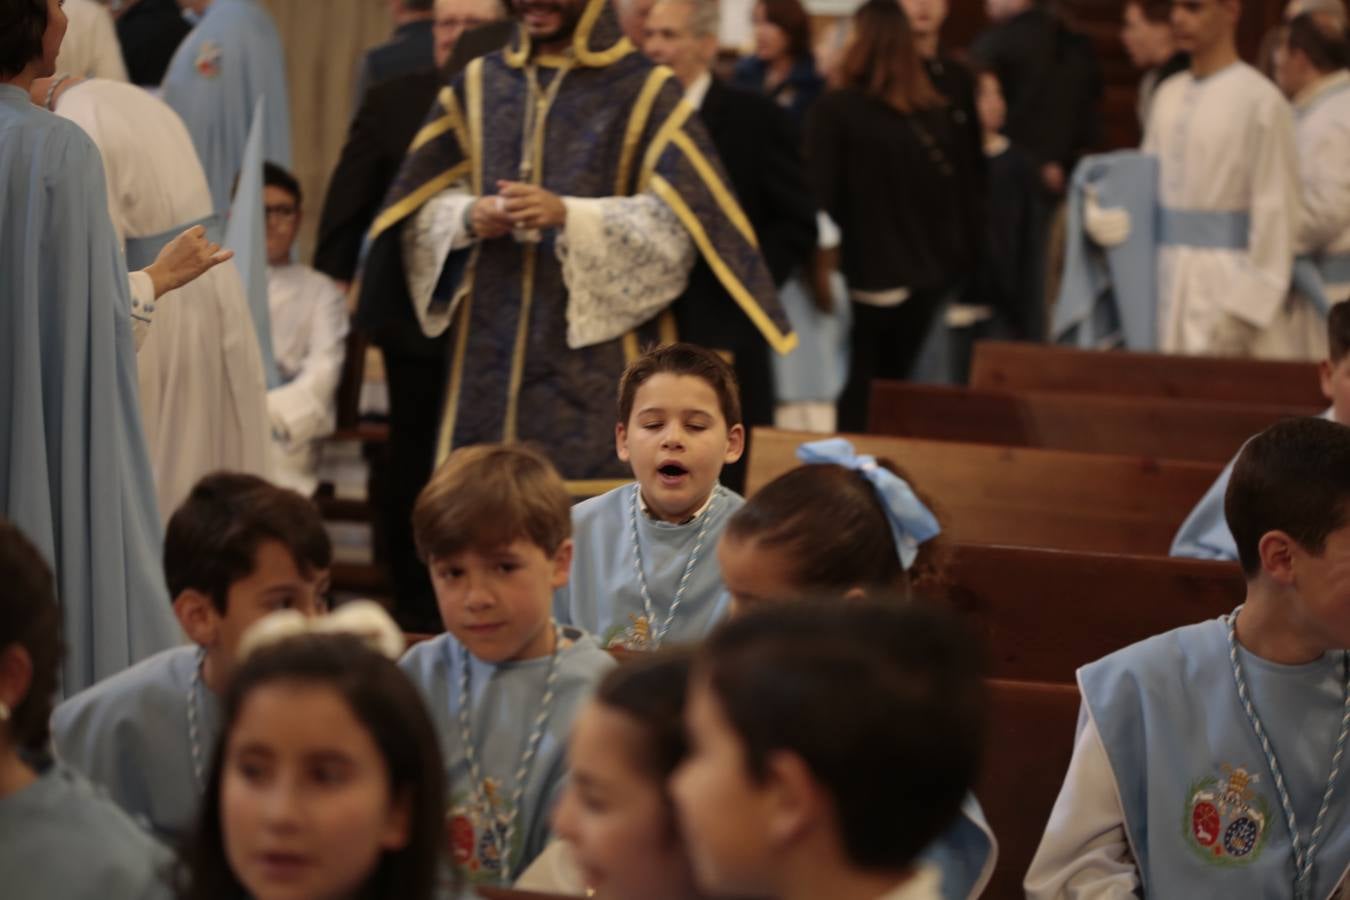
x=1044 y=613
x=1004 y=365
x=497 y=893
x=1027 y=497
x=1205 y=431
x=1027 y=753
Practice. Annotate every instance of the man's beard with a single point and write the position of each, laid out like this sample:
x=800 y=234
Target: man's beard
x=569 y=13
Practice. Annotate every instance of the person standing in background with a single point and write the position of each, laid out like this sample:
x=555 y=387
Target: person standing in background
x=1147 y=36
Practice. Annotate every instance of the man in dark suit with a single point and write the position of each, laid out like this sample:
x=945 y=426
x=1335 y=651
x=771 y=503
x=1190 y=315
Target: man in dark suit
x=384 y=126
x=407 y=50
x=149 y=32
x=759 y=151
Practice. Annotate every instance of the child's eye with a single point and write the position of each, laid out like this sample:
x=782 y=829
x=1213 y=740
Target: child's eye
x=450 y=574
x=329 y=774
x=507 y=567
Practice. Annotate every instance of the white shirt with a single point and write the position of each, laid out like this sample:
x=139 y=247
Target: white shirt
x=309 y=334
x=1322 y=126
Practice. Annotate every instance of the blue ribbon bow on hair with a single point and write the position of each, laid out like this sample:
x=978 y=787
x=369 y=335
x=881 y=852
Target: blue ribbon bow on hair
x=911 y=522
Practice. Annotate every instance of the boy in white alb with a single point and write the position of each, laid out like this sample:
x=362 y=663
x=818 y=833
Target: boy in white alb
x=645 y=570
x=237 y=549
x=1229 y=192
x=1210 y=760
x=505 y=682
x=309 y=333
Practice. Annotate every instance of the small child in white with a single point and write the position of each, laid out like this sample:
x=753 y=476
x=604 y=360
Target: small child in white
x=504 y=684
x=309 y=334
x=236 y=550
x=1210 y=759
x=645 y=570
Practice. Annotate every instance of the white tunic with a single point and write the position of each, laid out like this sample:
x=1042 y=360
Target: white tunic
x=1322 y=114
x=1225 y=143
x=90 y=48
x=309 y=332
x=203 y=398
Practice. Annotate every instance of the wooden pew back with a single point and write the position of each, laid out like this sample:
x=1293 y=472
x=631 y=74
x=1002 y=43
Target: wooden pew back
x=1044 y=613
x=1026 y=497
x=1199 y=430
x=1029 y=743
x=1012 y=366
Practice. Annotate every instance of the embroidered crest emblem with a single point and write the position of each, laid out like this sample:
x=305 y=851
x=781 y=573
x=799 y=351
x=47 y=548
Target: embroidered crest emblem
x=637 y=636
x=474 y=828
x=1226 y=818
x=208 y=59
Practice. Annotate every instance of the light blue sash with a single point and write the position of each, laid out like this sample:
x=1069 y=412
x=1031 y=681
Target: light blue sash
x=142 y=251
x=1212 y=229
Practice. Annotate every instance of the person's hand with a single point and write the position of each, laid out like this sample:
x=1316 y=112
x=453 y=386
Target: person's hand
x=1052 y=176
x=185 y=259
x=488 y=218
x=530 y=206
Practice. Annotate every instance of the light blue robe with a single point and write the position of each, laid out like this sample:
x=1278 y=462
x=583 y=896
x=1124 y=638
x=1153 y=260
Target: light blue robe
x=233 y=57
x=129 y=735
x=1205 y=534
x=74 y=469
x=816 y=370
x=1201 y=812
x=505 y=701
x=1109 y=295
x=603 y=596
x=62 y=841
x=965 y=853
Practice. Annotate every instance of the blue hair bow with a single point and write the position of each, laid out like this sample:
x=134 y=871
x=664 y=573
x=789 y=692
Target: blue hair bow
x=911 y=522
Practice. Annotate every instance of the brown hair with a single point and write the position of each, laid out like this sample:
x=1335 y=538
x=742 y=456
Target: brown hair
x=1326 y=48
x=883 y=62
x=828 y=521
x=1338 y=331
x=682 y=359
x=489 y=495
x=30 y=618
x=791 y=17
x=883 y=702
x=213 y=537
x=1159 y=12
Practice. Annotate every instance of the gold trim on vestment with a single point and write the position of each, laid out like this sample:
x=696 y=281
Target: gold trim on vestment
x=782 y=343
x=631 y=349
x=413 y=202
x=509 y=426
x=667 y=332
x=445 y=439
x=637 y=124
x=429 y=132
x=674 y=122
x=473 y=99
x=517 y=57
x=725 y=198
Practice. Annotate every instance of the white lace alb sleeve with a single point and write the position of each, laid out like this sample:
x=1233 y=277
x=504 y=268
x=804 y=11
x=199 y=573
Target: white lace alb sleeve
x=623 y=260
x=430 y=236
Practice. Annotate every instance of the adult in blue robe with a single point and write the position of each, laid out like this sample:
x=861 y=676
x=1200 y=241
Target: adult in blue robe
x=74 y=470
x=615 y=130
x=233 y=57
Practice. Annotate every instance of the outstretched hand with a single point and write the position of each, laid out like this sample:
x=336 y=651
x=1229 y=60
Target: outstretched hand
x=185 y=259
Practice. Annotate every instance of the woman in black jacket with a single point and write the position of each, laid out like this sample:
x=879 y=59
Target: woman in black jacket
x=882 y=156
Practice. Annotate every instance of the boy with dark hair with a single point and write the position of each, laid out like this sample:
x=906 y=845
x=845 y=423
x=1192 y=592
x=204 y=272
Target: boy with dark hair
x=807 y=776
x=1234 y=728
x=1205 y=533
x=309 y=333
x=237 y=549
x=505 y=682
x=645 y=570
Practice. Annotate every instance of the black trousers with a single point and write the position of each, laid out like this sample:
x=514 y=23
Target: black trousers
x=416 y=397
x=884 y=344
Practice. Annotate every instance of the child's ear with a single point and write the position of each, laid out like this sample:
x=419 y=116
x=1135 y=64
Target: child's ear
x=621 y=441
x=562 y=563
x=398 y=827
x=795 y=800
x=1277 y=551
x=735 y=443
x=198 y=617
